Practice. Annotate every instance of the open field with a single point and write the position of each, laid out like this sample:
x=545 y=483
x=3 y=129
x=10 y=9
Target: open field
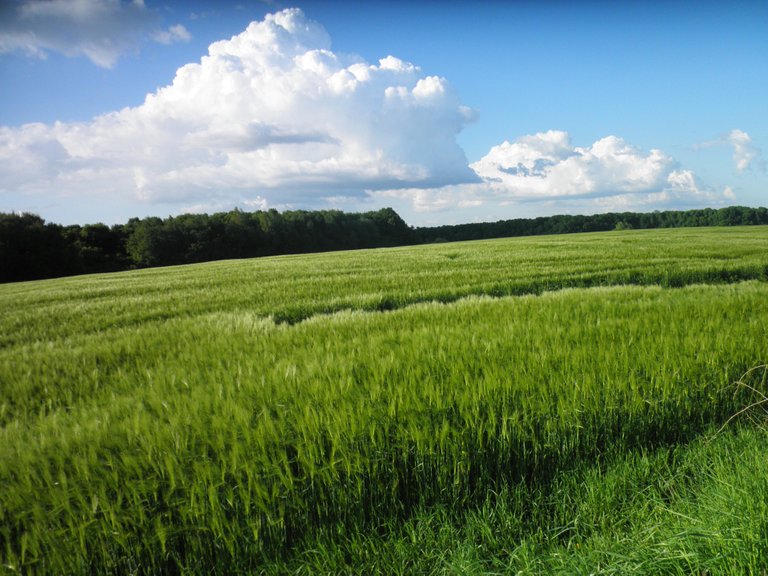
x=532 y=404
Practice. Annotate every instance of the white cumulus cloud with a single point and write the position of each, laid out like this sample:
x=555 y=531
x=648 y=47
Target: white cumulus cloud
x=272 y=115
x=546 y=167
x=101 y=30
x=547 y=164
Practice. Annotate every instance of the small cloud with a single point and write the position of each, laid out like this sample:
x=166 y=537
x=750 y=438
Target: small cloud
x=745 y=153
x=101 y=30
x=176 y=33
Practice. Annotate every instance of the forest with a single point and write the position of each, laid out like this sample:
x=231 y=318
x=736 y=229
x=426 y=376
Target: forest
x=31 y=248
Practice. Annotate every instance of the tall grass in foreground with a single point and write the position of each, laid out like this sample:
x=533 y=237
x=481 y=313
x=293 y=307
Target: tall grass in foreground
x=214 y=443
x=700 y=508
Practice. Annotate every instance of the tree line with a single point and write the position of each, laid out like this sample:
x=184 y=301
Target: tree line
x=567 y=224
x=32 y=249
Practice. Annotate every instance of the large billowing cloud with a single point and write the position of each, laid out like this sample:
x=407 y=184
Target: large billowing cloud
x=101 y=30
x=546 y=167
x=271 y=116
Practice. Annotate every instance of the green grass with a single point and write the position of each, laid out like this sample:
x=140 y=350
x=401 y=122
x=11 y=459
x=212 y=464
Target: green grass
x=292 y=288
x=699 y=508
x=220 y=418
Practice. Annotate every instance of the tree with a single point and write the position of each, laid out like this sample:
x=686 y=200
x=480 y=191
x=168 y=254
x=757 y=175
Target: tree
x=31 y=249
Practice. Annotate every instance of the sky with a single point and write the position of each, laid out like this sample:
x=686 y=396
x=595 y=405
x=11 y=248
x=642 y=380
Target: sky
x=449 y=112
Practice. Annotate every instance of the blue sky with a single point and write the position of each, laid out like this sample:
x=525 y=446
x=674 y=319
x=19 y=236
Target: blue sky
x=448 y=111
